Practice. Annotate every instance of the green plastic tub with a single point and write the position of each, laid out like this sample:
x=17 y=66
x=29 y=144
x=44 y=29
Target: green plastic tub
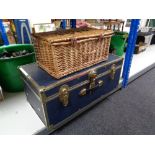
x=118 y=42
x=9 y=75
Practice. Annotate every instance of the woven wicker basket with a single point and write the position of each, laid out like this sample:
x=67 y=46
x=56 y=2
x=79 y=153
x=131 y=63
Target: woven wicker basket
x=63 y=52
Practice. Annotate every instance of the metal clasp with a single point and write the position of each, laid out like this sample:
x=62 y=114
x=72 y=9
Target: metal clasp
x=64 y=95
x=113 y=71
x=92 y=78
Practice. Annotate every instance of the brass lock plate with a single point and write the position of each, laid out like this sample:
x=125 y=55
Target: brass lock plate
x=64 y=95
x=93 y=83
x=92 y=78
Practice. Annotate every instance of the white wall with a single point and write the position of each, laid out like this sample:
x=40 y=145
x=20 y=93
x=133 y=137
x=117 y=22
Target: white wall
x=142 y=24
x=39 y=21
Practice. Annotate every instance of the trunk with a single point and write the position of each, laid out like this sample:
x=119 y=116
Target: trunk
x=58 y=101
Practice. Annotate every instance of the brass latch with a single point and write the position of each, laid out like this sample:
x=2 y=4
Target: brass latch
x=64 y=95
x=92 y=78
x=84 y=91
x=113 y=71
x=92 y=83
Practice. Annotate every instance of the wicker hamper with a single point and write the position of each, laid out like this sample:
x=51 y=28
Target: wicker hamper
x=66 y=51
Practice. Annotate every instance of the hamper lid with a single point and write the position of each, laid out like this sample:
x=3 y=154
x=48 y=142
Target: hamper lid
x=66 y=35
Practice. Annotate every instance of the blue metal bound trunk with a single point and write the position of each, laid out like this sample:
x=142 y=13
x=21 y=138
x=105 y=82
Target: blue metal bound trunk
x=58 y=101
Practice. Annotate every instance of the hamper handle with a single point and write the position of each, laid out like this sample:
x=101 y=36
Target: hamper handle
x=77 y=41
x=84 y=40
x=100 y=37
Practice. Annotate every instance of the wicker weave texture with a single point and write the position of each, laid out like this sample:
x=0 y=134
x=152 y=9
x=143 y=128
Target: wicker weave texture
x=67 y=55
